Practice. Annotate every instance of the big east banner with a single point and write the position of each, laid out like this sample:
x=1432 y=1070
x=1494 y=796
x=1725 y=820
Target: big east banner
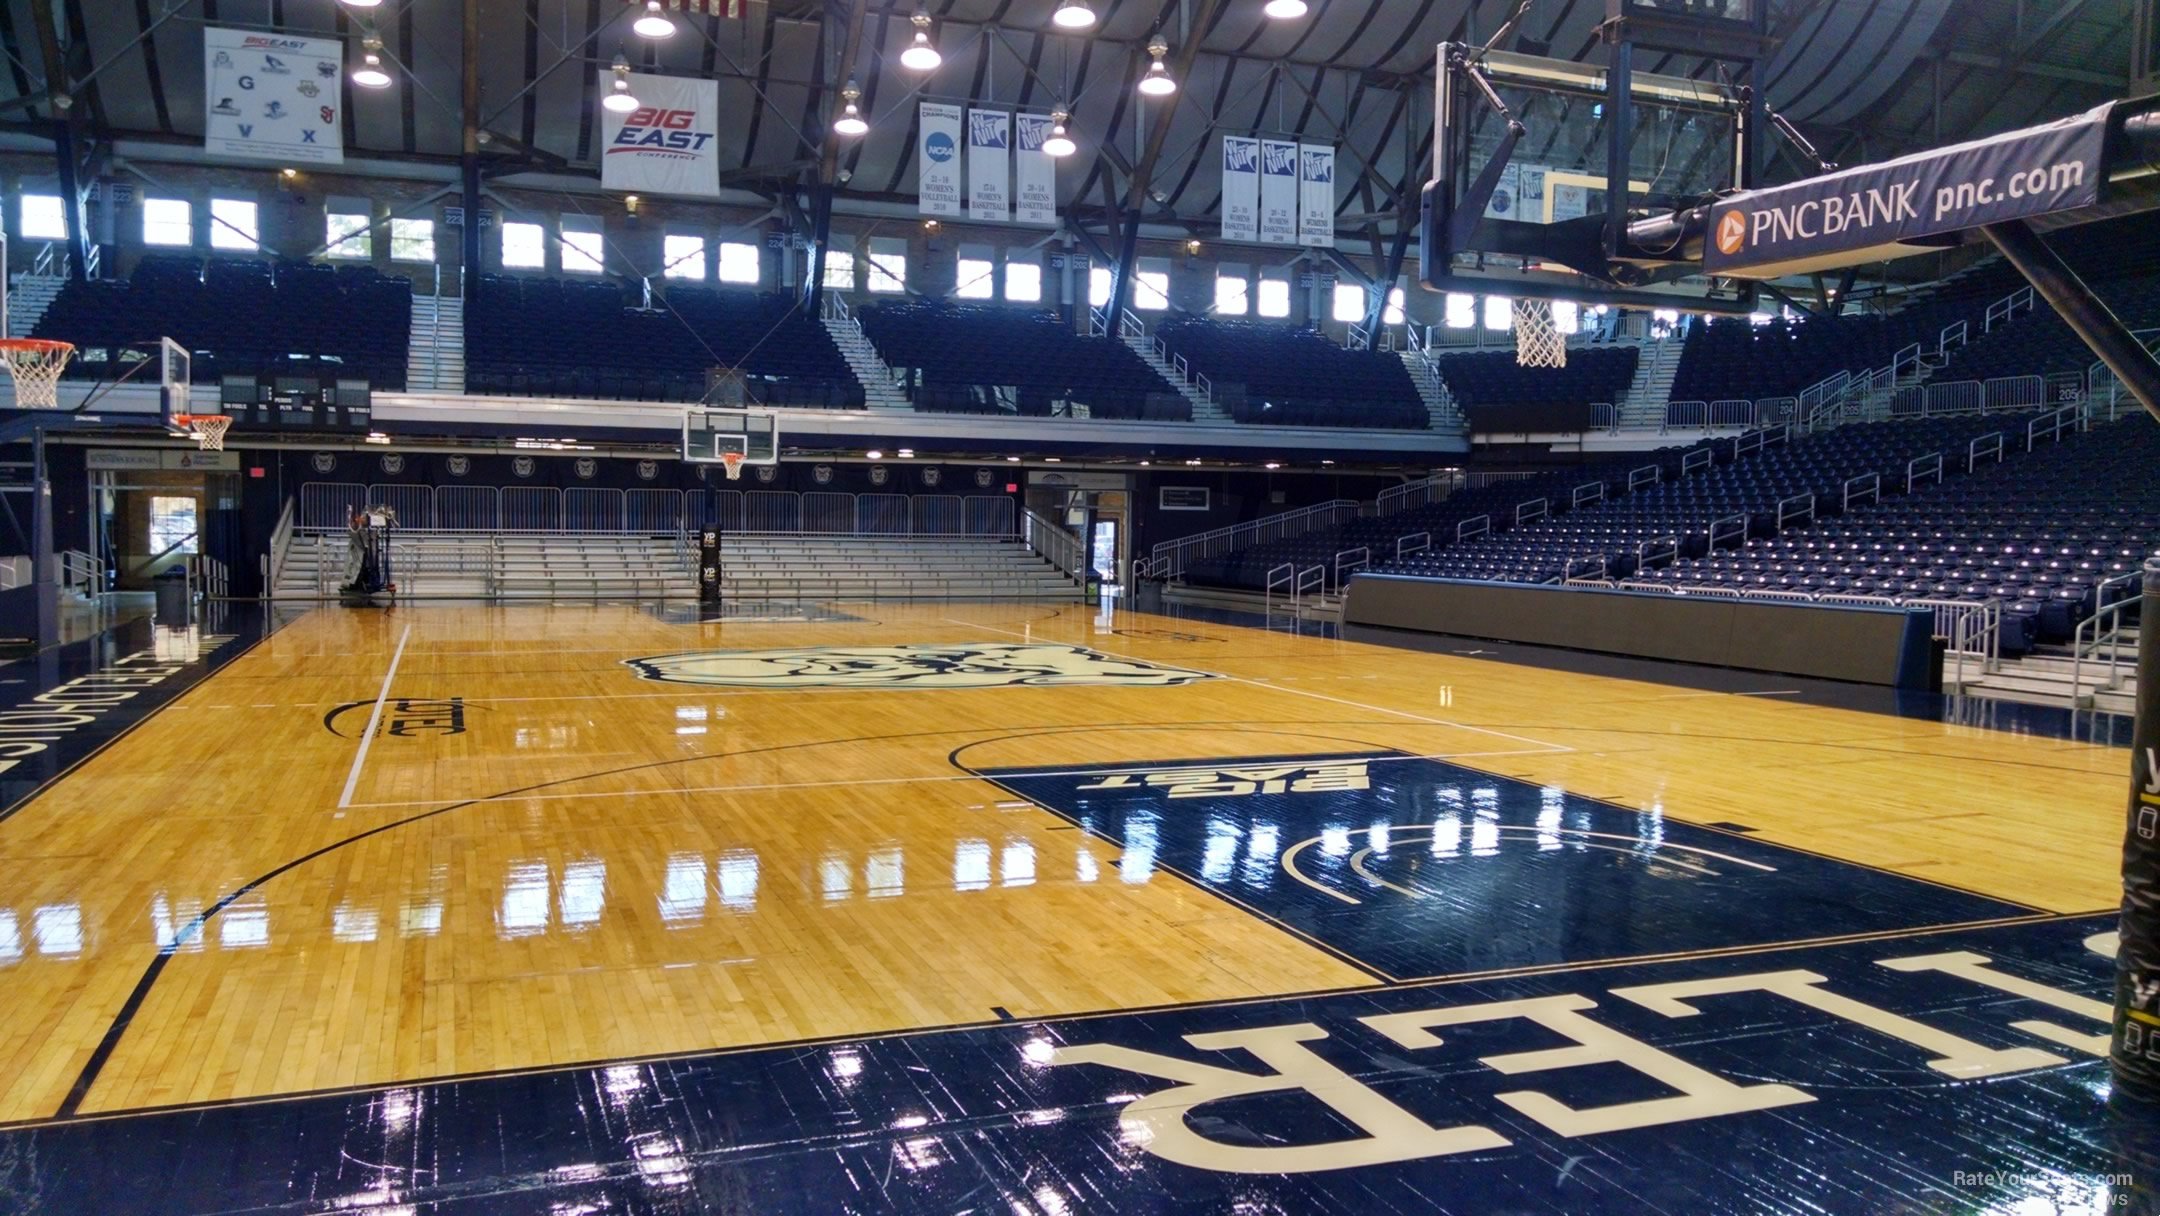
x=669 y=144
x=272 y=97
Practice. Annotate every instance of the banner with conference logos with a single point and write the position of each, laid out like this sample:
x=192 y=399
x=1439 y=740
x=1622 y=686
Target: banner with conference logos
x=937 y=152
x=1278 y=192
x=272 y=97
x=670 y=144
x=1034 y=171
x=1316 y=195
x=989 y=165
x=1240 y=188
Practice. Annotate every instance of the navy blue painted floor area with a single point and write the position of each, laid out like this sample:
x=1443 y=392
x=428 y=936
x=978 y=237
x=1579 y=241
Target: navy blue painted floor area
x=1950 y=1071
x=60 y=706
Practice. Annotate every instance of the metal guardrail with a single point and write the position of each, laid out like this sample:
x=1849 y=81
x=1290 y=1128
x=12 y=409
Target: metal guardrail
x=1061 y=548
x=2103 y=630
x=1972 y=629
x=81 y=572
x=594 y=509
x=1171 y=558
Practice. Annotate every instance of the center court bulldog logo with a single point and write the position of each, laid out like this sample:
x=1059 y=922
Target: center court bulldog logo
x=970 y=665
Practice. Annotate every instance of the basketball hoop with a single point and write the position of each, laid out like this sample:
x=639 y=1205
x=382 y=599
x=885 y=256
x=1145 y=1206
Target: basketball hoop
x=732 y=462
x=208 y=430
x=1538 y=340
x=35 y=363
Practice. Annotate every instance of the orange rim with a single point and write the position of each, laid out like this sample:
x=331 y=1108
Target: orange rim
x=38 y=344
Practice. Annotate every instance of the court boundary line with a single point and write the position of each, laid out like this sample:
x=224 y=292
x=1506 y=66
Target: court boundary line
x=352 y=779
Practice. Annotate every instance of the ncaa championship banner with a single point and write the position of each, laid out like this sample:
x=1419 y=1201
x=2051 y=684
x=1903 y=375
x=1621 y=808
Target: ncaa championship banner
x=937 y=152
x=1034 y=171
x=1278 y=192
x=989 y=165
x=272 y=97
x=1316 y=196
x=669 y=144
x=1240 y=188
x=1835 y=219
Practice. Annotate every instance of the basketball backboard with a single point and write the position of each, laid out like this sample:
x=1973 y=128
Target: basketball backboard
x=709 y=434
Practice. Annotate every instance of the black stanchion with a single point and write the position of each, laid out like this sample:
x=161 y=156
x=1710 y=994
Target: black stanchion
x=709 y=567
x=2136 y=1050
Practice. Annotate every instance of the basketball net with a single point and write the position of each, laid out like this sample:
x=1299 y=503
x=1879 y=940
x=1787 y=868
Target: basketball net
x=1538 y=340
x=36 y=365
x=732 y=462
x=208 y=430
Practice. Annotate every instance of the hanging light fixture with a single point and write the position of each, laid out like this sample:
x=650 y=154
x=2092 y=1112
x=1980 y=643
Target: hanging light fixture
x=370 y=74
x=1284 y=10
x=1157 y=82
x=920 y=55
x=657 y=24
x=1074 y=15
x=850 y=121
x=1059 y=143
x=362 y=3
x=619 y=99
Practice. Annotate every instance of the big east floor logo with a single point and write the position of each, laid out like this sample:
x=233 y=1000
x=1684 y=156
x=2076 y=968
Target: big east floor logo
x=652 y=129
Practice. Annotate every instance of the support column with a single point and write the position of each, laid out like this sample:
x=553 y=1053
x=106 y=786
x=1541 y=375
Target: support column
x=2100 y=328
x=2135 y=1049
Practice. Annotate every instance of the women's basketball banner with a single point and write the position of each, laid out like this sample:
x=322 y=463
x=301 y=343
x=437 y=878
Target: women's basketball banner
x=989 y=165
x=937 y=152
x=1278 y=192
x=1034 y=171
x=1316 y=195
x=1240 y=188
x=669 y=144
x=273 y=97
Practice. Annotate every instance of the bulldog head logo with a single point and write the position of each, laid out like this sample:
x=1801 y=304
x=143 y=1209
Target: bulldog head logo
x=982 y=479
x=521 y=465
x=822 y=474
x=767 y=472
x=922 y=665
x=877 y=474
x=586 y=467
x=324 y=462
x=393 y=463
x=459 y=466
x=930 y=477
x=647 y=470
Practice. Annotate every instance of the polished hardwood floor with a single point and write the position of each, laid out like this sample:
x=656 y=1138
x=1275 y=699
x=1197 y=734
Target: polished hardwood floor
x=457 y=839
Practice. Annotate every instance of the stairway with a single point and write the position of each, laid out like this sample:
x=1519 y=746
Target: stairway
x=435 y=361
x=1657 y=362
x=880 y=390
x=1203 y=409
x=29 y=295
x=771 y=565
x=2051 y=677
x=476 y=565
x=1439 y=402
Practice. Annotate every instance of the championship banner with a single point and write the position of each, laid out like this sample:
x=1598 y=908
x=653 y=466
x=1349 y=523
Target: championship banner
x=989 y=165
x=1278 y=192
x=1240 y=188
x=1316 y=196
x=272 y=97
x=669 y=144
x=937 y=152
x=1839 y=218
x=1034 y=171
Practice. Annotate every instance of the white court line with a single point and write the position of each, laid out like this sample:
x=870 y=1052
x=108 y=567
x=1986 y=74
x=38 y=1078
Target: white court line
x=1299 y=692
x=374 y=719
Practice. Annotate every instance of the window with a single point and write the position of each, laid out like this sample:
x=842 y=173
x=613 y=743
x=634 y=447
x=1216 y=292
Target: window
x=975 y=281
x=349 y=236
x=233 y=225
x=42 y=218
x=1393 y=313
x=172 y=522
x=1461 y=310
x=1349 y=303
x=524 y=247
x=685 y=257
x=739 y=263
x=1151 y=290
x=1023 y=282
x=1231 y=296
x=167 y=221
x=839 y=270
x=1567 y=316
x=1274 y=297
x=888 y=271
x=1499 y=313
x=581 y=251
x=1098 y=285
x=412 y=240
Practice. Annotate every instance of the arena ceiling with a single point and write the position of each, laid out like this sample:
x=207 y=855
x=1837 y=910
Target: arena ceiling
x=1867 y=78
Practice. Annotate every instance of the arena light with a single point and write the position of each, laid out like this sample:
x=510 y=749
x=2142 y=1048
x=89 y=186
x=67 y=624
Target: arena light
x=850 y=121
x=619 y=99
x=1074 y=15
x=921 y=56
x=874 y=454
x=1157 y=82
x=361 y=3
x=370 y=74
x=1059 y=143
x=657 y=24
x=1285 y=10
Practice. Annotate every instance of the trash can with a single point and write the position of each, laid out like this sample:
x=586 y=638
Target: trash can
x=172 y=597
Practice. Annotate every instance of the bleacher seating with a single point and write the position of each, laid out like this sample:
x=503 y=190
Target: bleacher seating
x=960 y=354
x=1501 y=395
x=241 y=316
x=1274 y=373
x=588 y=338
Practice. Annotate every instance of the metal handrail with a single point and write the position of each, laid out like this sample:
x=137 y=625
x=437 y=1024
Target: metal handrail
x=1281 y=526
x=1058 y=546
x=1351 y=561
x=2111 y=637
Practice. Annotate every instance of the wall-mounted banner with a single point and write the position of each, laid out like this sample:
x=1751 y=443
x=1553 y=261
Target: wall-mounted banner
x=273 y=96
x=669 y=144
x=989 y=165
x=1278 y=192
x=1316 y=195
x=1240 y=188
x=1034 y=171
x=937 y=156
x=1828 y=220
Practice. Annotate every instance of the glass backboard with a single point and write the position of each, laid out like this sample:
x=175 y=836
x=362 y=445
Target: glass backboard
x=709 y=434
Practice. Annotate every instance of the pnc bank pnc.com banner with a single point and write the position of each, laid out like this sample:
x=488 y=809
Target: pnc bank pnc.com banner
x=2023 y=174
x=670 y=144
